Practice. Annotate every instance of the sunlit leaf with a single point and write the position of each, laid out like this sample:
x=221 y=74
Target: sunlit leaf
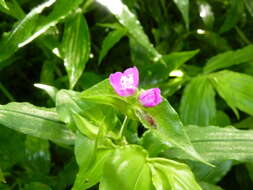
x=35 y=121
x=126 y=169
x=214 y=143
x=3 y=4
x=169 y=174
x=75 y=47
x=235 y=88
x=229 y=58
x=132 y=25
x=32 y=25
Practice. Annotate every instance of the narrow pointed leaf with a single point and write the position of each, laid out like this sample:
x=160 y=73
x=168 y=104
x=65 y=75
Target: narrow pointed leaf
x=132 y=25
x=75 y=47
x=229 y=58
x=183 y=6
x=110 y=40
x=3 y=4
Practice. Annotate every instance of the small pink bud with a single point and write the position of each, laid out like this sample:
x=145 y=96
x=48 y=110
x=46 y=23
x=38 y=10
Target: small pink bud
x=151 y=97
x=126 y=83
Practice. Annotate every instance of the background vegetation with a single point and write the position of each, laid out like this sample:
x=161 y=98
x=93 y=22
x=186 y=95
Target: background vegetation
x=198 y=52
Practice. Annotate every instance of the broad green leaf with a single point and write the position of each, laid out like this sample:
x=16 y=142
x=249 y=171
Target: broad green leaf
x=3 y=4
x=22 y=31
x=198 y=102
x=110 y=40
x=176 y=59
x=183 y=6
x=166 y=120
x=249 y=6
x=132 y=25
x=229 y=58
x=127 y=169
x=235 y=88
x=35 y=121
x=38 y=155
x=215 y=144
x=233 y=15
x=206 y=13
x=169 y=174
x=75 y=47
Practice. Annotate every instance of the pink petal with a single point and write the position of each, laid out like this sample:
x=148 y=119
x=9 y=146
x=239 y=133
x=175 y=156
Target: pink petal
x=115 y=81
x=151 y=97
x=134 y=71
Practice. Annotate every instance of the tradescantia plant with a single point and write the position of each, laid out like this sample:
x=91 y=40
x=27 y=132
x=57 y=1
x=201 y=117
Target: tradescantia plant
x=122 y=108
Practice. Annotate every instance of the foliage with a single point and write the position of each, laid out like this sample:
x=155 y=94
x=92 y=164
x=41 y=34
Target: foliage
x=77 y=133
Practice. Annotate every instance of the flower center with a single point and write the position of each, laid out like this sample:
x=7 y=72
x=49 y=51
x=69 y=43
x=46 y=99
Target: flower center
x=127 y=81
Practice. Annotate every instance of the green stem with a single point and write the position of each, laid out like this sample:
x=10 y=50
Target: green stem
x=6 y=93
x=123 y=127
x=242 y=35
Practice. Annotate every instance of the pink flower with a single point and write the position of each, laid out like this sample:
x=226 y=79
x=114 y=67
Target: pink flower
x=151 y=97
x=126 y=83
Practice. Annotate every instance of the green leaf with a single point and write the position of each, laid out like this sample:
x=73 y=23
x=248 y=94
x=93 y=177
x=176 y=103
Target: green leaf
x=198 y=102
x=75 y=47
x=110 y=40
x=229 y=58
x=22 y=31
x=3 y=4
x=127 y=169
x=166 y=120
x=169 y=174
x=183 y=6
x=235 y=88
x=34 y=121
x=232 y=16
x=13 y=10
x=216 y=144
x=33 y=25
x=249 y=6
x=90 y=160
x=175 y=59
x=206 y=13
x=211 y=174
x=132 y=25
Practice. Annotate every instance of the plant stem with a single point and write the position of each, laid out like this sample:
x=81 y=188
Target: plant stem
x=242 y=35
x=123 y=127
x=6 y=93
